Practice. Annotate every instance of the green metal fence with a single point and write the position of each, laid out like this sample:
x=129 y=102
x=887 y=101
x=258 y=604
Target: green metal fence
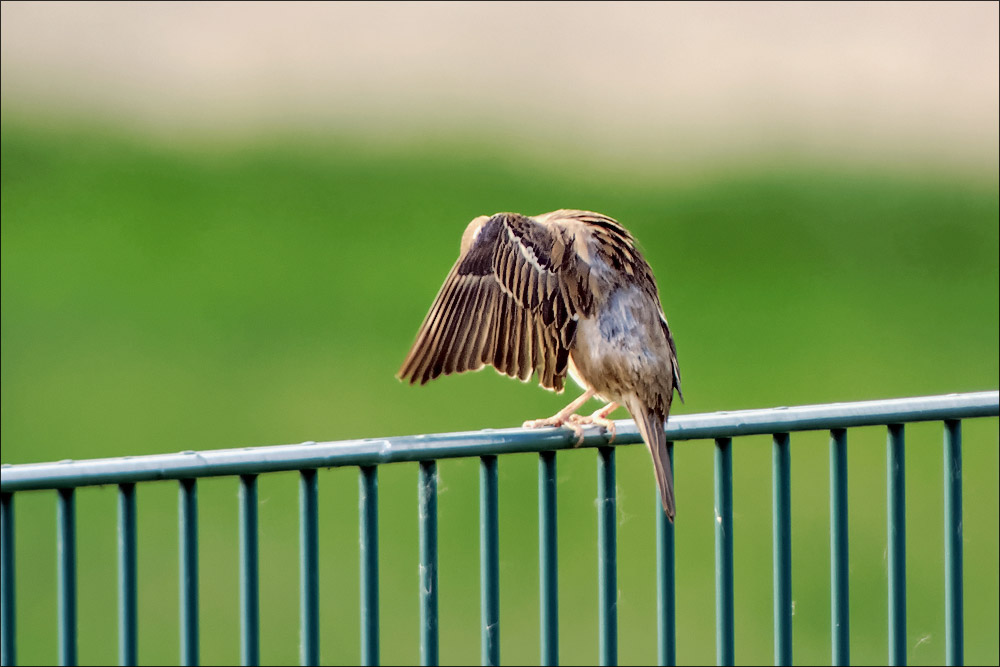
x=187 y=467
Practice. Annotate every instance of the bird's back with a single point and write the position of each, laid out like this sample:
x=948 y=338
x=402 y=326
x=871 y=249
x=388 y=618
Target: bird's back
x=625 y=345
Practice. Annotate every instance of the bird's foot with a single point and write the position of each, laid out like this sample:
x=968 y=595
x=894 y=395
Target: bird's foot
x=607 y=424
x=565 y=417
x=599 y=418
x=559 y=419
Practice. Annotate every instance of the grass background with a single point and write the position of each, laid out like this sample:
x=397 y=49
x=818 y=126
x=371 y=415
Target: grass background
x=161 y=295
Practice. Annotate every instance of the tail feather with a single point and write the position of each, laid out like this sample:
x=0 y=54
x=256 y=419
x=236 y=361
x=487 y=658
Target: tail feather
x=650 y=424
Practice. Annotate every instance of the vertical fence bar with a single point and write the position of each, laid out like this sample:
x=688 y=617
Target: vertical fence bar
x=428 y=512
x=67 y=576
x=724 y=624
x=308 y=568
x=127 y=630
x=607 y=555
x=840 y=620
x=548 y=573
x=896 y=519
x=368 y=505
x=666 y=592
x=489 y=561
x=782 y=516
x=188 y=513
x=8 y=643
x=249 y=573
x=953 y=612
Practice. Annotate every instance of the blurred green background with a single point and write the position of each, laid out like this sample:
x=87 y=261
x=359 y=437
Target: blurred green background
x=181 y=289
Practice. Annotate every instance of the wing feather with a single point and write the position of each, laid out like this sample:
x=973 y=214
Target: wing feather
x=543 y=355
x=513 y=346
x=422 y=352
x=503 y=334
x=460 y=327
x=521 y=348
x=525 y=364
x=468 y=357
x=491 y=319
x=451 y=321
x=511 y=300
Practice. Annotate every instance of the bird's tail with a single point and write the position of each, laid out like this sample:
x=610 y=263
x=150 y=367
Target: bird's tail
x=650 y=424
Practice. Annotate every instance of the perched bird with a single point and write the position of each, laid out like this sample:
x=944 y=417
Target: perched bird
x=564 y=292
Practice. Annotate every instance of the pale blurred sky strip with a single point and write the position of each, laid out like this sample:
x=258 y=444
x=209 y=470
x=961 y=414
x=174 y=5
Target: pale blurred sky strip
x=896 y=81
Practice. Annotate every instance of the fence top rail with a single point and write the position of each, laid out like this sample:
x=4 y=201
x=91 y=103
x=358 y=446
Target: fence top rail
x=375 y=451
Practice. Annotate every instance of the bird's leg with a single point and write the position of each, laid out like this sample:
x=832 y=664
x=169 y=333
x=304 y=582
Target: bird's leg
x=599 y=418
x=564 y=417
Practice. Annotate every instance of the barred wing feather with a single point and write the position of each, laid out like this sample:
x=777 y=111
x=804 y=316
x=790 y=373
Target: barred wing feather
x=511 y=300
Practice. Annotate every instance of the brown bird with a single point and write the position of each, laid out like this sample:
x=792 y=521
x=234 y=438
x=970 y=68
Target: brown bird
x=564 y=292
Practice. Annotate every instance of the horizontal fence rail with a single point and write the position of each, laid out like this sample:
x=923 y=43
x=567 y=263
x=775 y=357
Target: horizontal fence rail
x=376 y=451
x=721 y=427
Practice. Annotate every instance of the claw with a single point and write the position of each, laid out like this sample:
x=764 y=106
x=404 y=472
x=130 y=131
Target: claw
x=565 y=417
x=609 y=428
x=558 y=420
x=598 y=420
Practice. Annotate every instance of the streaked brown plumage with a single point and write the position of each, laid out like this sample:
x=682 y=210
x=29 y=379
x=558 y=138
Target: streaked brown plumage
x=564 y=292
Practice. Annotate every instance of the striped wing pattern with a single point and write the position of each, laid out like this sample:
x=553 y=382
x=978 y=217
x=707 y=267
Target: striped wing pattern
x=511 y=300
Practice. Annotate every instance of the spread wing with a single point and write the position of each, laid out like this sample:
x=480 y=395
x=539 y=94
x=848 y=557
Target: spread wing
x=512 y=300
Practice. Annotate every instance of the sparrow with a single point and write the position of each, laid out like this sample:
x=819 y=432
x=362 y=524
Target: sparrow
x=563 y=292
